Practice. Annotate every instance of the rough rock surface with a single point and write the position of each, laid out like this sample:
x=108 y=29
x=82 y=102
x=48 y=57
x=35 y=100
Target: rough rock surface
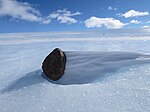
x=54 y=64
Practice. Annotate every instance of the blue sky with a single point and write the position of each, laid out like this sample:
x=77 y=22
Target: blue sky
x=72 y=15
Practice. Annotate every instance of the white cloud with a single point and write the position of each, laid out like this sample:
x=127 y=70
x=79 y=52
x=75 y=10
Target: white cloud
x=148 y=22
x=19 y=10
x=25 y=11
x=110 y=8
x=135 y=22
x=146 y=26
x=45 y=21
x=64 y=16
x=109 y=23
x=133 y=13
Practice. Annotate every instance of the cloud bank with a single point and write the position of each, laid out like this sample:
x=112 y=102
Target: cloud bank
x=109 y=23
x=133 y=13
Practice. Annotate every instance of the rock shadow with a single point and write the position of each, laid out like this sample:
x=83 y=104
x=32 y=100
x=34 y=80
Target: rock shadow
x=27 y=80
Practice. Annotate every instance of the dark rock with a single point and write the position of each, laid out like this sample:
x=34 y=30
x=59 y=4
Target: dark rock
x=54 y=64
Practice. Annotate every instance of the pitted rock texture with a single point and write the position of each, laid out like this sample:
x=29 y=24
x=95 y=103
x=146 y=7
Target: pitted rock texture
x=54 y=64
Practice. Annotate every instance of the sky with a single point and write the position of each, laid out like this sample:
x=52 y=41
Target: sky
x=72 y=15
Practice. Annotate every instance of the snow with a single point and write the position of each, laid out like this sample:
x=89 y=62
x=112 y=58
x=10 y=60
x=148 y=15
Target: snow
x=103 y=74
x=88 y=67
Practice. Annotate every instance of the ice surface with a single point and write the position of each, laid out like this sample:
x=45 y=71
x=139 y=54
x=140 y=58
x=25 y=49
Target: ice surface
x=106 y=74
